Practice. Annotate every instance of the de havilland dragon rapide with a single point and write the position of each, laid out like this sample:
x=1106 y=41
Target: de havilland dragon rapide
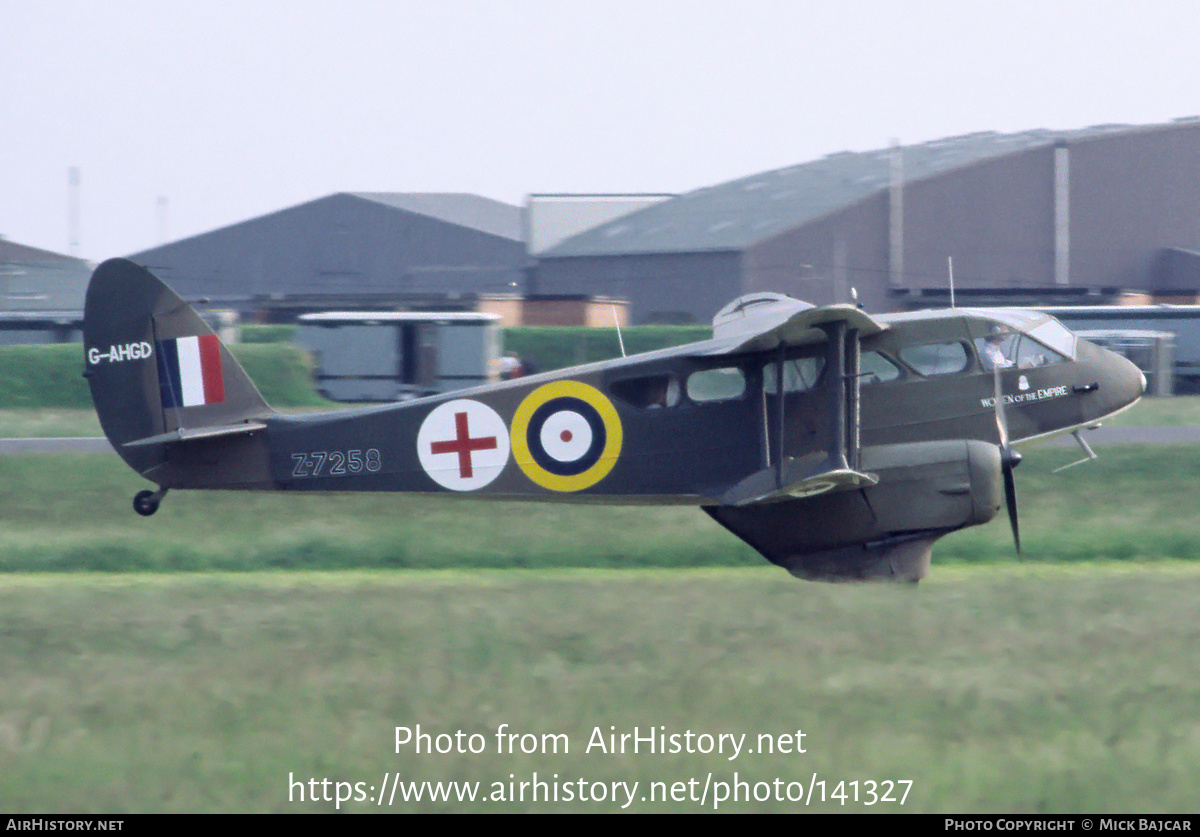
x=839 y=444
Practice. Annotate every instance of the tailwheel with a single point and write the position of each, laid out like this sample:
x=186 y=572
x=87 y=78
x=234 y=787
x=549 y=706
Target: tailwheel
x=146 y=502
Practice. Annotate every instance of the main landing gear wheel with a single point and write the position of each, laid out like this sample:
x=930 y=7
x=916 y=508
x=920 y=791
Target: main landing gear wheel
x=146 y=502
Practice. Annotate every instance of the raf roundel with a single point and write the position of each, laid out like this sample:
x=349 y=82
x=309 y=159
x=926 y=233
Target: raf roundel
x=566 y=436
x=463 y=445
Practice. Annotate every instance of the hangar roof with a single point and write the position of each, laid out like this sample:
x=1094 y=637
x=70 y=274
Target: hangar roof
x=41 y=283
x=458 y=208
x=11 y=251
x=465 y=210
x=734 y=215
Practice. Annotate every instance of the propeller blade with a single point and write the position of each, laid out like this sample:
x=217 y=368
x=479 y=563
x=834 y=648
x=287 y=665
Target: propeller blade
x=1010 y=496
x=1001 y=419
x=1009 y=459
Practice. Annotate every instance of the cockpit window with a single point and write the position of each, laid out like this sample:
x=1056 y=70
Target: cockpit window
x=647 y=392
x=999 y=349
x=1056 y=337
x=936 y=358
x=1031 y=353
x=799 y=375
x=721 y=384
x=1041 y=327
x=1003 y=348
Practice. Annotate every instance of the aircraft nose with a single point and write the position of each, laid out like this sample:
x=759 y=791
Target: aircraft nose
x=1116 y=380
x=1129 y=382
x=1138 y=381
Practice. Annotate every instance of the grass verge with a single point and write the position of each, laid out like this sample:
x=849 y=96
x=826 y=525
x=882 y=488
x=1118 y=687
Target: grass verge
x=1000 y=690
x=67 y=512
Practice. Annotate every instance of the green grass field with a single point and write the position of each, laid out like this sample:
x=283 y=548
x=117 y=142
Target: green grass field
x=1065 y=682
x=1008 y=690
x=1133 y=504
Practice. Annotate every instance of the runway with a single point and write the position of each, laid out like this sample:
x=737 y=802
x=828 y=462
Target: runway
x=57 y=444
x=1181 y=435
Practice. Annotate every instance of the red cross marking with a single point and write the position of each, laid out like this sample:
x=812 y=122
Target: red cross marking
x=463 y=444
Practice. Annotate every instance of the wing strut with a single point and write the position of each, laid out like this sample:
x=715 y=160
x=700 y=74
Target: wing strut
x=779 y=414
x=842 y=364
x=837 y=467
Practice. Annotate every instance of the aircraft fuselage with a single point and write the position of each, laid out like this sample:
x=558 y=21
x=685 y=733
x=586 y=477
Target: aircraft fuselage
x=680 y=427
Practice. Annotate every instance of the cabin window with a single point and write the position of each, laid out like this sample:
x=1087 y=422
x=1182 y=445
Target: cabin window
x=721 y=384
x=647 y=392
x=874 y=368
x=799 y=375
x=936 y=358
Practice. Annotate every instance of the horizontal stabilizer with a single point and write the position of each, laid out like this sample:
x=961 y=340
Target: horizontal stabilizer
x=766 y=485
x=197 y=433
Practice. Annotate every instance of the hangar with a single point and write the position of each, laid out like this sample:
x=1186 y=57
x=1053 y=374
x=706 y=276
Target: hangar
x=41 y=294
x=1039 y=217
x=360 y=250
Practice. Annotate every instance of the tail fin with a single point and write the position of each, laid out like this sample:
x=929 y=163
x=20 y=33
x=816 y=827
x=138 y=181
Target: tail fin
x=157 y=372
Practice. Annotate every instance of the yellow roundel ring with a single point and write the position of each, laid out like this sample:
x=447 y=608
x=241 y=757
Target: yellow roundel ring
x=566 y=436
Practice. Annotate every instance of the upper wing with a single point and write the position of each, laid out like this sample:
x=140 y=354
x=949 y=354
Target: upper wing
x=766 y=322
x=759 y=322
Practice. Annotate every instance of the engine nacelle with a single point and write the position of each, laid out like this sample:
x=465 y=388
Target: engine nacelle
x=925 y=490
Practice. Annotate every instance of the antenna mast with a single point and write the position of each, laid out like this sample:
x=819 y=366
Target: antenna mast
x=617 y=322
x=73 y=211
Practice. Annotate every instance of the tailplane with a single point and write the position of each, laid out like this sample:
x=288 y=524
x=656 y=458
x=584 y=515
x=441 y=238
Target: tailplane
x=160 y=378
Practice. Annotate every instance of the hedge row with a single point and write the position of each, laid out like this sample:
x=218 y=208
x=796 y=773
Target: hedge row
x=52 y=376
x=551 y=347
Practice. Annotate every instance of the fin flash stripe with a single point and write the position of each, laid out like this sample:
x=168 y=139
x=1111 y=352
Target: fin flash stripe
x=189 y=371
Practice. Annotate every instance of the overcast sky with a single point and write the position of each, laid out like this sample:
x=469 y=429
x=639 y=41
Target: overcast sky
x=234 y=108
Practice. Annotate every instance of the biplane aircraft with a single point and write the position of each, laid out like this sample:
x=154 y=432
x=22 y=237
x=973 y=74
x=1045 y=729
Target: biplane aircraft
x=838 y=444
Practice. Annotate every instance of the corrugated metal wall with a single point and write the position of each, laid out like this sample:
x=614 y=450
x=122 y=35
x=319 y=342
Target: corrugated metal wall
x=1097 y=215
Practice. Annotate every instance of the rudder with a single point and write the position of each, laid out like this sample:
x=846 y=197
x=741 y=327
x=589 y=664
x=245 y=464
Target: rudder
x=157 y=373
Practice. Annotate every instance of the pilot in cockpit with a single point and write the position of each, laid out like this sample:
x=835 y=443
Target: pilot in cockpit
x=992 y=348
